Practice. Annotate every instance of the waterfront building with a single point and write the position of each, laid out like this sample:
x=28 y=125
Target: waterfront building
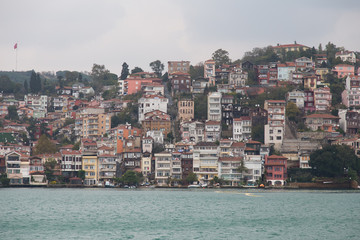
x=90 y=166
x=228 y=170
x=276 y=169
x=205 y=161
x=162 y=168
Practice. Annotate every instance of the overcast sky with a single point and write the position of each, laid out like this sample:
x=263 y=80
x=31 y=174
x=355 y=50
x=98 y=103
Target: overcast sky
x=74 y=34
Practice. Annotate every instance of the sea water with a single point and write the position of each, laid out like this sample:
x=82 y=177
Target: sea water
x=41 y=213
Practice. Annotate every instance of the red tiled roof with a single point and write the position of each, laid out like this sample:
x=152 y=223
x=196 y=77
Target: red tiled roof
x=321 y=115
x=289 y=45
x=238 y=144
x=276 y=157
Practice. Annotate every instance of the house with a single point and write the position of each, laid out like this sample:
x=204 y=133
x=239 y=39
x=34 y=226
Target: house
x=212 y=131
x=214 y=106
x=344 y=70
x=185 y=110
x=180 y=82
x=37 y=172
x=163 y=168
x=284 y=71
x=279 y=49
x=175 y=167
x=156 y=121
x=199 y=85
x=146 y=168
x=147 y=144
x=17 y=168
x=153 y=88
x=309 y=104
x=149 y=103
x=322 y=99
x=186 y=163
x=209 y=71
x=242 y=128
x=304 y=64
x=93 y=125
x=178 y=66
x=71 y=163
x=134 y=82
x=346 y=56
x=297 y=97
x=238 y=78
x=276 y=169
x=227 y=104
x=254 y=169
x=352 y=122
x=237 y=149
x=325 y=122
x=130 y=159
x=310 y=81
x=193 y=131
x=123 y=133
x=274 y=130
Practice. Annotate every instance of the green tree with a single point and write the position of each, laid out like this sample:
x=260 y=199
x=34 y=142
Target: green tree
x=136 y=70
x=124 y=71
x=192 y=177
x=4 y=180
x=6 y=85
x=44 y=145
x=49 y=167
x=292 y=112
x=170 y=137
x=157 y=67
x=196 y=71
x=200 y=107
x=221 y=57
x=257 y=133
x=12 y=113
x=81 y=174
x=332 y=160
x=130 y=178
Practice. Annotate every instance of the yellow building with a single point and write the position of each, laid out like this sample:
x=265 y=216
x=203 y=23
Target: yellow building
x=90 y=166
x=321 y=72
x=95 y=125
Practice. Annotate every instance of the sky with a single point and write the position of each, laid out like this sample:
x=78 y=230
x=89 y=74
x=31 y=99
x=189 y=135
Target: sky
x=74 y=34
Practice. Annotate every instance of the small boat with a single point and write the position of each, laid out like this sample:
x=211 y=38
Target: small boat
x=194 y=186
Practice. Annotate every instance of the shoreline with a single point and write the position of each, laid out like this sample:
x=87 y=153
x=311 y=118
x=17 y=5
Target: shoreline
x=306 y=186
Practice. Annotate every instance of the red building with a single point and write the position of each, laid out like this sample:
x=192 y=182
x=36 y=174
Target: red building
x=276 y=169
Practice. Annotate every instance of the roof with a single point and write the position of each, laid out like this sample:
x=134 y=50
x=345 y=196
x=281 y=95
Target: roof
x=276 y=157
x=322 y=115
x=212 y=122
x=211 y=144
x=238 y=144
x=289 y=45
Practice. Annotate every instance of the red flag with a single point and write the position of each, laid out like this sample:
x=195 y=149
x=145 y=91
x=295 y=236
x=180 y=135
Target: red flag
x=15 y=46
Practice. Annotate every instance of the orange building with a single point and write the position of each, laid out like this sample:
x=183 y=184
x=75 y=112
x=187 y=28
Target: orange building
x=123 y=133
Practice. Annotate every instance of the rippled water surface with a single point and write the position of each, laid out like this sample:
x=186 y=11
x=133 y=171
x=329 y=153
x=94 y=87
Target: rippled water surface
x=178 y=214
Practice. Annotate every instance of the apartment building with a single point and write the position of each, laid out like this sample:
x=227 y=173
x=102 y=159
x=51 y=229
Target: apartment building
x=214 y=106
x=185 y=110
x=178 y=66
x=149 y=103
x=274 y=130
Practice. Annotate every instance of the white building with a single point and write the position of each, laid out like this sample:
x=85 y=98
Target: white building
x=346 y=56
x=296 y=97
x=214 y=106
x=241 y=128
x=212 y=131
x=209 y=71
x=162 y=168
x=149 y=103
x=274 y=130
x=238 y=78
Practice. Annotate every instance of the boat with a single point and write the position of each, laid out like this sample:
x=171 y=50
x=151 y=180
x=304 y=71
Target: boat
x=194 y=186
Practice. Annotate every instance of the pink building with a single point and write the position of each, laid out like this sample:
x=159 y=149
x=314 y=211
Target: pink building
x=276 y=169
x=133 y=84
x=322 y=99
x=344 y=70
